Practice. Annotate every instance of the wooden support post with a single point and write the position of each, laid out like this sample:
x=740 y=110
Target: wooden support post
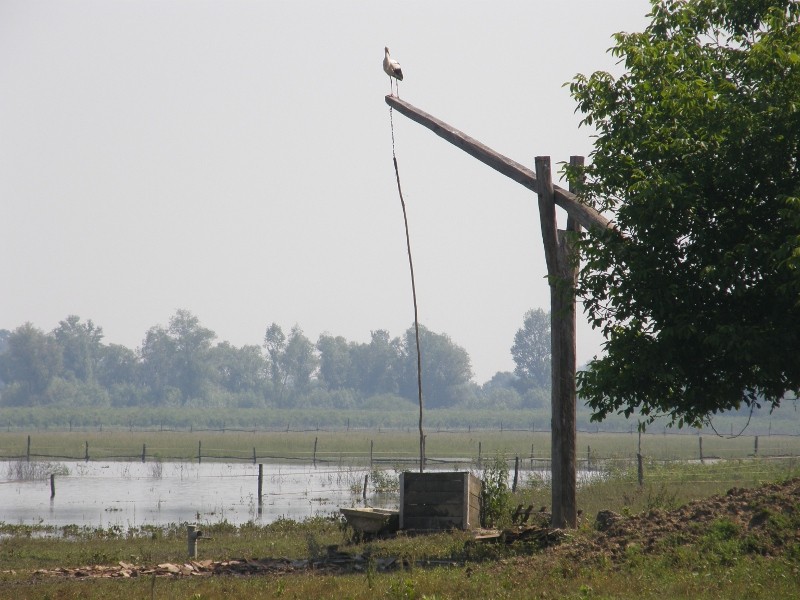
x=144 y=451
x=480 y=459
x=755 y=447
x=28 y=452
x=86 y=454
x=364 y=492
x=562 y=270
x=516 y=474
x=52 y=485
x=199 y=452
x=700 y=439
x=254 y=455
x=371 y=445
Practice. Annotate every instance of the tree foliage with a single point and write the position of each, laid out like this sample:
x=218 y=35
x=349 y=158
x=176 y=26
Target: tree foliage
x=180 y=365
x=696 y=156
x=531 y=350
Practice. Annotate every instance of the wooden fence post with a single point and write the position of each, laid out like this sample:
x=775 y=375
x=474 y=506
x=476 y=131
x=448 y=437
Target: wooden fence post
x=199 y=452
x=640 y=462
x=701 y=449
x=28 y=452
x=52 y=485
x=314 y=459
x=86 y=454
x=260 y=487
x=516 y=474
x=144 y=452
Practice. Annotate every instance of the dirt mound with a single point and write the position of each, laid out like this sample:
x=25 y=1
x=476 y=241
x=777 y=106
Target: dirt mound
x=766 y=518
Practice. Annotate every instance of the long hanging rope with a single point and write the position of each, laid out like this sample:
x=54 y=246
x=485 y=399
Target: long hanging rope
x=414 y=295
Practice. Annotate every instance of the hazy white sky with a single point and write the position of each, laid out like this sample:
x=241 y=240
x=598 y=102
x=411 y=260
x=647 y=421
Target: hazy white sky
x=233 y=158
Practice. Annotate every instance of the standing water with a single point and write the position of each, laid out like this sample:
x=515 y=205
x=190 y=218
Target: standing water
x=131 y=494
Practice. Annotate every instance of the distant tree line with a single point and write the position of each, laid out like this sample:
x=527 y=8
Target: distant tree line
x=183 y=365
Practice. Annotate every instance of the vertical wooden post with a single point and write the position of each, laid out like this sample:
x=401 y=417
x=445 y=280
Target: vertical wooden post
x=260 y=487
x=254 y=455
x=314 y=458
x=28 y=452
x=364 y=492
x=199 y=451
x=755 y=447
x=371 y=444
x=700 y=439
x=86 y=454
x=588 y=458
x=144 y=451
x=480 y=460
x=52 y=485
x=640 y=462
x=516 y=474
x=562 y=270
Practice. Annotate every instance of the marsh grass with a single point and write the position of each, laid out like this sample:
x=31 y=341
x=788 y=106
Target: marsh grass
x=20 y=470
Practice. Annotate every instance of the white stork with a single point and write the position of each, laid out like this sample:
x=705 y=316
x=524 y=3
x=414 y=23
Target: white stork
x=392 y=69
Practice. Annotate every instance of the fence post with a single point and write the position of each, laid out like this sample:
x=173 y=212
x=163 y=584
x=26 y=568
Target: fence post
x=371 y=445
x=479 y=455
x=144 y=452
x=86 y=454
x=701 y=449
x=199 y=452
x=531 y=457
x=516 y=474
x=364 y=493
x=640 y=461
x=315 y=452
x=588 y=458
x=254 y=455
x=260 y=487
x=755 y=447
x=28 y=453
x=52 y=485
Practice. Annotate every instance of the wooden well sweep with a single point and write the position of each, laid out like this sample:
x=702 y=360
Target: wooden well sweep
x=440 y=501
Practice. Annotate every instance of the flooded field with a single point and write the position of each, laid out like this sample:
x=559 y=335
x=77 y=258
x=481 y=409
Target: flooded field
x=129 y=494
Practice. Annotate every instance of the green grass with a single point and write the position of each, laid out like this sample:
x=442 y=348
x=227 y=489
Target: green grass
x=346 y=447
x=724 y=563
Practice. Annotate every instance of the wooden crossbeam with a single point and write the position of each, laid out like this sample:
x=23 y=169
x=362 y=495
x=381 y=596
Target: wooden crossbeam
x=585 y=215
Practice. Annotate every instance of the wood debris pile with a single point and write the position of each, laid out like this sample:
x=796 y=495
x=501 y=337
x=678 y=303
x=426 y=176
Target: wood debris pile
x=334 y=562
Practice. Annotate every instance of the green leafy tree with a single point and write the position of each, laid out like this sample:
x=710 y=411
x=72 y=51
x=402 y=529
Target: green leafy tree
x=446 y=369
x=696 y=159
x=81 y=346
x=176 y=361
x=335 y=361
x=240 y=370
x=292 y=362
x=30 y=363
x=377 y=365
x=531 y=350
